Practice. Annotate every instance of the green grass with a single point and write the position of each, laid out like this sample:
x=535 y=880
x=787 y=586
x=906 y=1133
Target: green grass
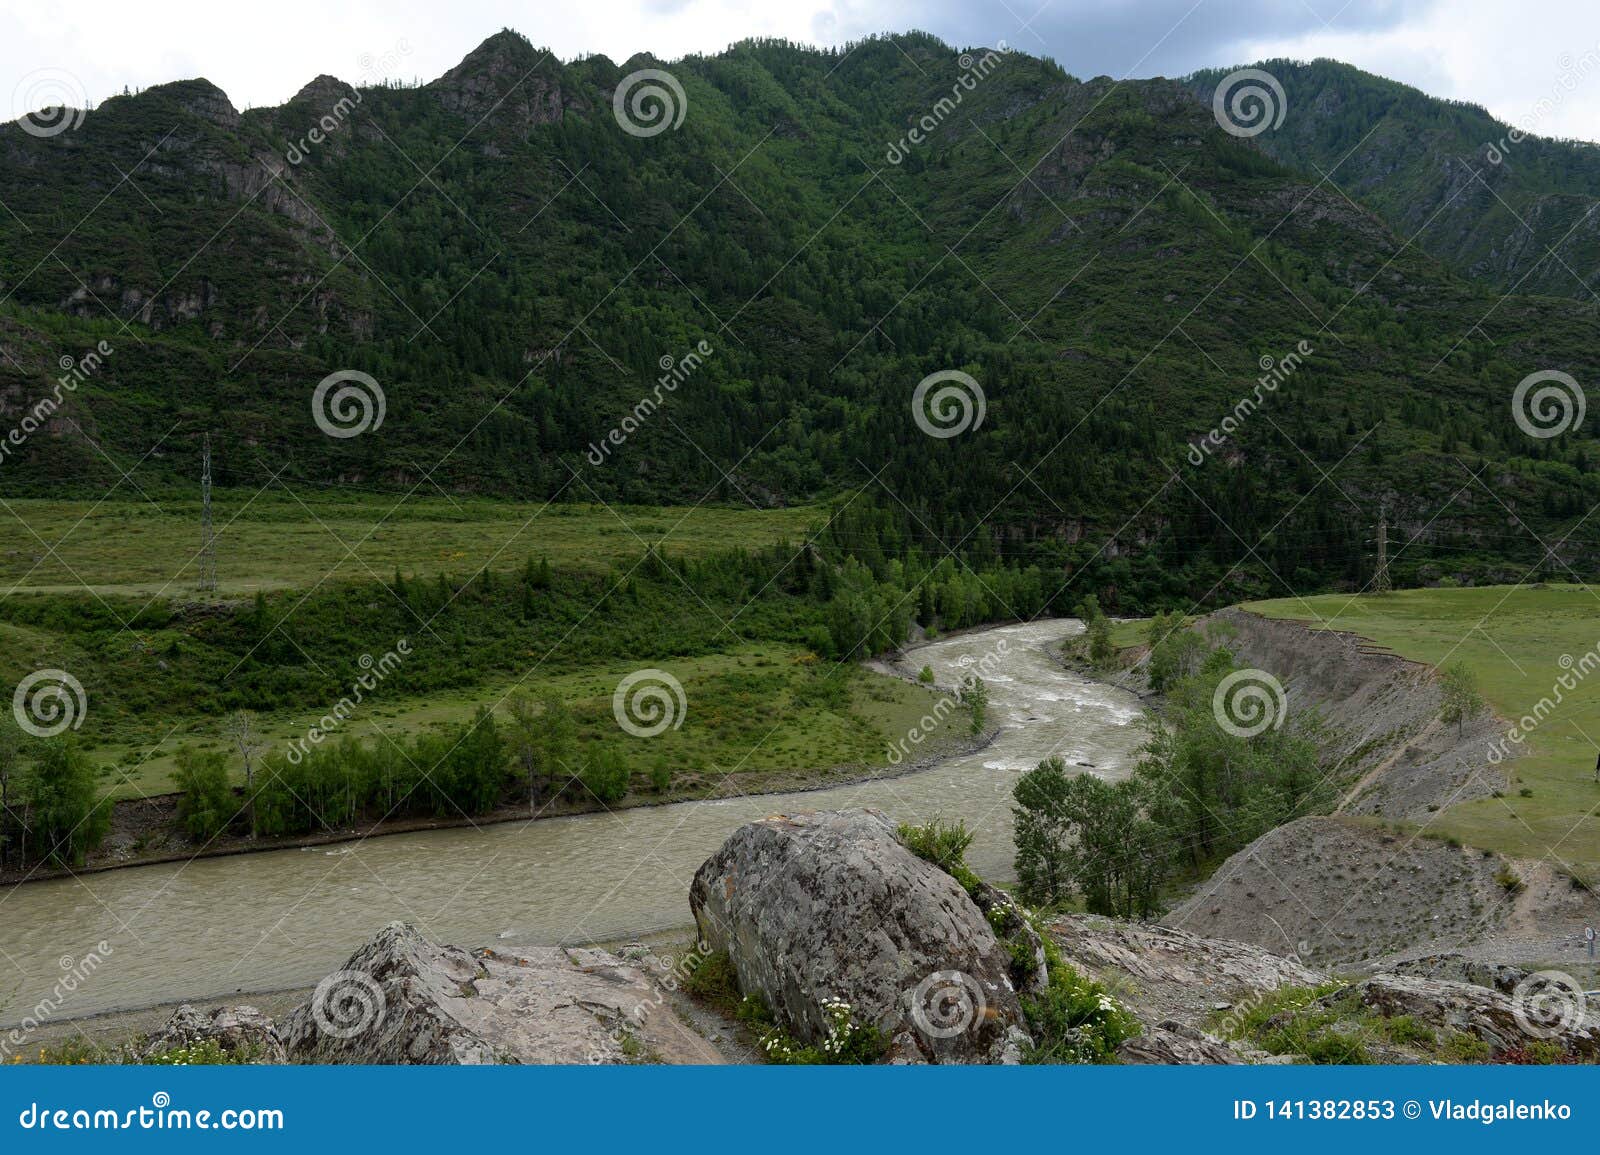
x=276 y=541
x=1514 y=639
x=754 y=709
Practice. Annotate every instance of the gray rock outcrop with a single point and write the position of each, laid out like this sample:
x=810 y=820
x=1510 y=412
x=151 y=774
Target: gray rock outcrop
x=241 y=1031
x=817 y=907
x=404 y=999
x=1550 y=1015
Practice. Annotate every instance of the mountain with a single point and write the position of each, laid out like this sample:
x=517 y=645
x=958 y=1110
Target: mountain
x=1499 y=203
x=1203 y=367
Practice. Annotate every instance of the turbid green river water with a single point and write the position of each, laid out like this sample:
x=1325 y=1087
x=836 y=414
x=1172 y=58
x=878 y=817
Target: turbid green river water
x=207 y=929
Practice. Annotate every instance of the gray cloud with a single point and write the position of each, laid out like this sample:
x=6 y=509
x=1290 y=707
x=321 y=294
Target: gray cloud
x=1124 y=37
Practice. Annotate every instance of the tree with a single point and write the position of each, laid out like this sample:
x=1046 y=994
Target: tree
x=9 y=753
x=206 y=805
x=1042 y=833
x=1460 y=698
x=1079 y=833
x=976 y=699
x=541 y=737
x=606 y=775
x=240 y=729
x=1102 y=651
x=64 y=809
x=1175 y=651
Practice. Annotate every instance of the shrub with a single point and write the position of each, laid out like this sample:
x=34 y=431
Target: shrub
x=945 y=845
x=206 y=806
x=606 y=775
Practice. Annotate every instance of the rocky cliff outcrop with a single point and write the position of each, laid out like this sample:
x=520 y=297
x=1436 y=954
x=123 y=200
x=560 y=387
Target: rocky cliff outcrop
x=405 y=999
x=820 y=907
x=1554 y=1016
x=1382 y=710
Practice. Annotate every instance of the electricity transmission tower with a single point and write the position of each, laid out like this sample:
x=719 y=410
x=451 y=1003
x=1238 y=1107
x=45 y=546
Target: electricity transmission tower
x=1380 y=580
x=208 y=538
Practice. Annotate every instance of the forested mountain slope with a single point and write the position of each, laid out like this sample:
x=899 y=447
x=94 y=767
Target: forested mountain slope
x=1503 y=204
x=516 y=270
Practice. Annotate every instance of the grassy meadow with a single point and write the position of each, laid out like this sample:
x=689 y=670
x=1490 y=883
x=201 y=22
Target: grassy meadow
x=275 y=540
x=1515 y=639
x=758 y=699
x=752 y=710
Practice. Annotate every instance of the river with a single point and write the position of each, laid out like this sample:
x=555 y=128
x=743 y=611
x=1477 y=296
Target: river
x=210 y=928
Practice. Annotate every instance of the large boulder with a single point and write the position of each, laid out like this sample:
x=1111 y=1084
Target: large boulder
x=405 y=999
x=817 y=908
x=1546 y=1008
x=241 y=1031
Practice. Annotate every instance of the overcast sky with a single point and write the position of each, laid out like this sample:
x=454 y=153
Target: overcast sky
x=1507 y=55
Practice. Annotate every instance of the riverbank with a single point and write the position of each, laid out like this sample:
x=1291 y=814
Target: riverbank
x=203 y=930
x=136 y=824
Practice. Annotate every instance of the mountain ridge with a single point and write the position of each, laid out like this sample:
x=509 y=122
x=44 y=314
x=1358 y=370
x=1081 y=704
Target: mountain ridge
x=514 y=265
